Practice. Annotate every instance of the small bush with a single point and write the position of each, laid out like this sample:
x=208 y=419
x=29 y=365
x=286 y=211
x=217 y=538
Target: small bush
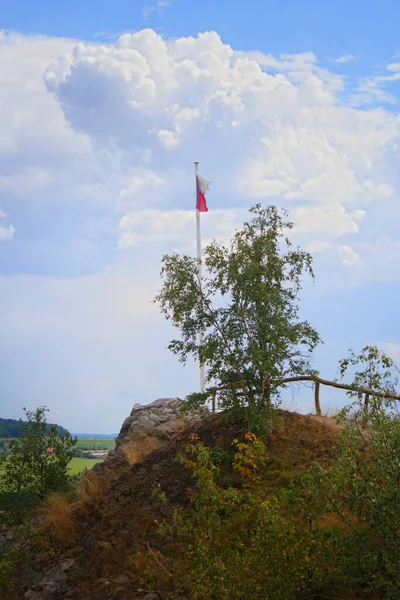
x=237 y=543
x=57 y=517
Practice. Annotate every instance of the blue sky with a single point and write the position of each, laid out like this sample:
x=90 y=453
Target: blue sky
x=104 y=107
x=366 y=28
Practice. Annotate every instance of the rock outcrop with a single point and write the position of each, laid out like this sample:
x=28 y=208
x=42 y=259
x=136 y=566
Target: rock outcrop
x=161 y=416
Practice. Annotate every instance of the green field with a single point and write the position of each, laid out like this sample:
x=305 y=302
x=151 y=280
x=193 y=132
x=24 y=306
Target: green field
x=77 y=465
x=96 y=443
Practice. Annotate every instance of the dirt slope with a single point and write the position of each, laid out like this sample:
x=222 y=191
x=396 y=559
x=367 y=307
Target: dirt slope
x=120 y=518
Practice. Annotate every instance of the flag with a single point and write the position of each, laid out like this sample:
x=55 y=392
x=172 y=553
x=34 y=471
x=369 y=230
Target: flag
x=202 y=186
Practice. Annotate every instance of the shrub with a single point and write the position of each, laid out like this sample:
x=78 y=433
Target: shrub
x=236 y=543
x=57 y=519
x=35 y=464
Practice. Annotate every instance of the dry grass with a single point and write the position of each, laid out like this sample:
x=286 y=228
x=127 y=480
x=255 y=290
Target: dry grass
x=57 y=513
x=93 y=487
x=57 y=518
x=136 y=449
x=332 y=412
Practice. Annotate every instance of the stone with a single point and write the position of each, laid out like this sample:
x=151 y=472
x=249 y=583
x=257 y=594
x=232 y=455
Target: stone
x=151 y=596
x=54 y=581
x=161 y=401
x=163 y=416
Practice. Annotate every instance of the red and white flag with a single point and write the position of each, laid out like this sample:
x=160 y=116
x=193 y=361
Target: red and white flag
x=202 y=186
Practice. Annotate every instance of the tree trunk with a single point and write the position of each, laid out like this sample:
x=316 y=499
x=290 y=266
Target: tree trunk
x=214 y=399
x=316 y=398
x=265 y=392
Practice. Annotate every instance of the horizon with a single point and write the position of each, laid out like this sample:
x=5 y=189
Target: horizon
x=105 y=107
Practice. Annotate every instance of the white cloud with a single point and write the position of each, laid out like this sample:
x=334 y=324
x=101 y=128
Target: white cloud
x=96 y=154
x=142 y=187
x=148 y=9
x=345 y=58
x=177 y=227
x=373 y=89
x=348 y=255
x=6 y=231
x=316 y=247
x=272 y=128
x=392 y=349
x=328 y=221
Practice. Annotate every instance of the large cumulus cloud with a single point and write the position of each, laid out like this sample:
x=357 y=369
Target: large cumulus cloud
x=276 y=129
x=96 y=182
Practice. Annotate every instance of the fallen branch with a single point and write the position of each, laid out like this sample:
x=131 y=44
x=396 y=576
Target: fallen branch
x=158 y=561
x=341 y=386
x=317 y=381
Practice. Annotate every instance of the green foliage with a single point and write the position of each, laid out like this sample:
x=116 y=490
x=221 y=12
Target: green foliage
x=158 y=493
x=334 y=528
x=362 y=488
x=35 y=464
x=372 y=370
x=219 y=456
x=361 y=484
x=249 y=455
x=236 y=543
x=247 y=310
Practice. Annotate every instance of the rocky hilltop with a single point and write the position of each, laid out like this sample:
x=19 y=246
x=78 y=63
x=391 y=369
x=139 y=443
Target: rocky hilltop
x=92 y=545
x=162 y=415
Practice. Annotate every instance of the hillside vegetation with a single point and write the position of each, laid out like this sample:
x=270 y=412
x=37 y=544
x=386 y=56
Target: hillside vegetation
x=216 y=512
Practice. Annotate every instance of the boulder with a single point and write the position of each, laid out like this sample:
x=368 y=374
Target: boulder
x=163 y=416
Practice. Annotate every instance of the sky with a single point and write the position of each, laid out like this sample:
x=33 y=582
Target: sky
x=105 y=105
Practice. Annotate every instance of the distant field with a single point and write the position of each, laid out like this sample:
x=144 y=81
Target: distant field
x=96 y=443
x=77 y=465
x=93 y=443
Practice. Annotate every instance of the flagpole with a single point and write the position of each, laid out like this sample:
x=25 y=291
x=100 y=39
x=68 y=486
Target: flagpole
x=198 y=231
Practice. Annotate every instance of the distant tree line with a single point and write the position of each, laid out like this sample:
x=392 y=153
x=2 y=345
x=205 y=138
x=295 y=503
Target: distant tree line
x=12 y=428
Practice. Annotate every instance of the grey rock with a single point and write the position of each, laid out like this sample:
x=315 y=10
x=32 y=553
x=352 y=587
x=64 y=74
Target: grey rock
x=151 y=596
x=162 y=415
x=136 y=407
x=161 y=401
x=54 y=581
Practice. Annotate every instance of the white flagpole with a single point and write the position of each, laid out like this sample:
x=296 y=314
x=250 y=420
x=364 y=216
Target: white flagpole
x=198 y=230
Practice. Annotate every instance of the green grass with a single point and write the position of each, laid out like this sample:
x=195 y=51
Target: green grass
x=96 y=443
x=77 y=465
